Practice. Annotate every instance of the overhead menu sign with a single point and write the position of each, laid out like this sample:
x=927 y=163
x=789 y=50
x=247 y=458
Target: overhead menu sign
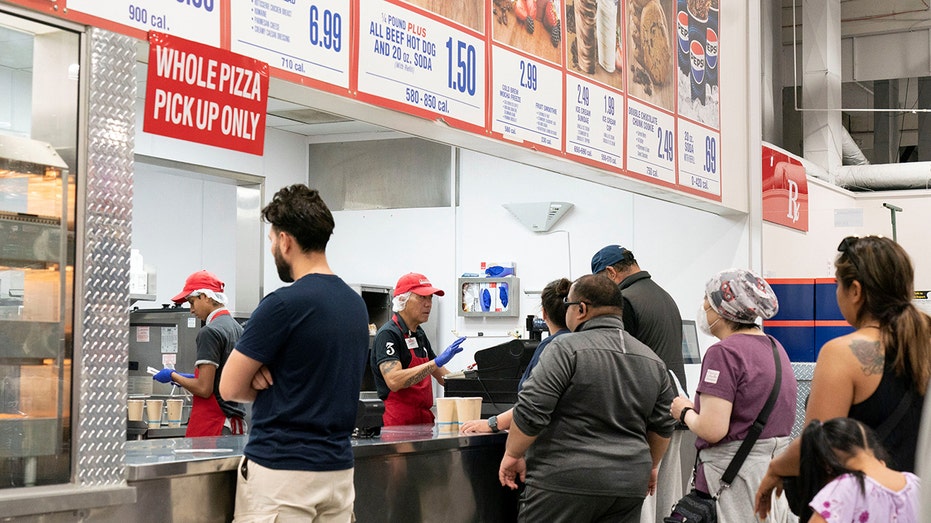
x=419 y=62
x=197 y=20
x=202 y=94
x=306 y=37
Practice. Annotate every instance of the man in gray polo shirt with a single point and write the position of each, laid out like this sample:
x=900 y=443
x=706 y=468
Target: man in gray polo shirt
x=651 y=316
x=590 y=418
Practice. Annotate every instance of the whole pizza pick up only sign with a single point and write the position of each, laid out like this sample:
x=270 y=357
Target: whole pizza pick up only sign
x=207 y=95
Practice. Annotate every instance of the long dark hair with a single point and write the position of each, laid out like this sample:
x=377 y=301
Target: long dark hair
x=821 y=443
x=553 y=301
x=885 y=273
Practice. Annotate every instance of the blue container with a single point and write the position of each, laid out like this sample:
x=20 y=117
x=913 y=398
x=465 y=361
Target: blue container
x=796 y=300
x=826 y=301
x=799 y=342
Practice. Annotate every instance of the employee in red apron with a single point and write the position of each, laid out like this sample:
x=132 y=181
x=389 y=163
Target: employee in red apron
x=210 y=414
x=402 y=359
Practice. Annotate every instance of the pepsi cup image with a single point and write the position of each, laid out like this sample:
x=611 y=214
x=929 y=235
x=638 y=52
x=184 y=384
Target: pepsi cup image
x=682 y=34
x=711 y=47
x=697 y=52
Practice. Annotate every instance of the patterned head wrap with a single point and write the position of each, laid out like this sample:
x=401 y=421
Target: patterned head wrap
x=741 y=296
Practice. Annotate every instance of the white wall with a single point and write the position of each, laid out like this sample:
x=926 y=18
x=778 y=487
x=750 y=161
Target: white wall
x=185 y=224
x=788 y=253
x=680 y=246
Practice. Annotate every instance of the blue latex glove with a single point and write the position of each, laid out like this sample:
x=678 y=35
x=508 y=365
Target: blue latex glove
x=503 y=295
x=486 y=300
x=450 y=351
x=163 y=376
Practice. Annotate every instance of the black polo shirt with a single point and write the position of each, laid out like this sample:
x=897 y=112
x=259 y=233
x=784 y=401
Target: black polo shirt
x=390 y=344
x=652 y=316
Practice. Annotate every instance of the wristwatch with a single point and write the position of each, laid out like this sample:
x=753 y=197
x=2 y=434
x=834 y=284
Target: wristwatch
x=493 y=423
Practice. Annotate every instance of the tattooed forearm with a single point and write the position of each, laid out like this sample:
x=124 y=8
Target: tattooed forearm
x=416 y=378
x=871 y=359
x=387 y=366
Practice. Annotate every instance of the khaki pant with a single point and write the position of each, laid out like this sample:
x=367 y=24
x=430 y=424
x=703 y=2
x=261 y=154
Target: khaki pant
x=265 y=495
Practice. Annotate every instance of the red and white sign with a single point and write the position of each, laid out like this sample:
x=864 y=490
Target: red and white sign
x=202 y=94
x=785 y=189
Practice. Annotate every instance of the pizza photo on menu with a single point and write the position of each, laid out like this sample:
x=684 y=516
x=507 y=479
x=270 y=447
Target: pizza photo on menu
x=532 y=26
x=650 y=52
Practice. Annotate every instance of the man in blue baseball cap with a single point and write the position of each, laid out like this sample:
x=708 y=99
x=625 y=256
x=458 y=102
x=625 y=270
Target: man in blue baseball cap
x=652 y=316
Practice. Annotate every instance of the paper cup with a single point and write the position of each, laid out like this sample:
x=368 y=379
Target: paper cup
x=174 y=412
x=446 y=419
x=135 y=410
x=468 y=409
x=153 y=412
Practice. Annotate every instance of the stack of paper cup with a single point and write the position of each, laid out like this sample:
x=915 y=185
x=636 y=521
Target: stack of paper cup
x=153 y=411
x=446 y=418
x=175 y=407
x=135 y=410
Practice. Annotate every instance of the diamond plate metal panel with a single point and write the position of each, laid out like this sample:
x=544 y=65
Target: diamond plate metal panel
x=803 y=374
x=104 y=352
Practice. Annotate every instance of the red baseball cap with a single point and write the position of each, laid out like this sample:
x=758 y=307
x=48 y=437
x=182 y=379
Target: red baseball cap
x=416 y=283
x=199 y=281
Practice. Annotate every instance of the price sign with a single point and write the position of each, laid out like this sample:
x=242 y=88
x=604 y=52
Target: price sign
x=306 y=37
x=594 y=128
x=417 y=61
x=699 y=158
x=527 y=99
x=197 y=20
x=650 y=142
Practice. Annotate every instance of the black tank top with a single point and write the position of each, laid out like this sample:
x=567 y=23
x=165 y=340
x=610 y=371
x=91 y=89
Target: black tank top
x=901 y=442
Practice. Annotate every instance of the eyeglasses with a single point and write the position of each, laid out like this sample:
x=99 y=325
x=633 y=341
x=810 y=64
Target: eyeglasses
x=846 y=247
x=568 y=303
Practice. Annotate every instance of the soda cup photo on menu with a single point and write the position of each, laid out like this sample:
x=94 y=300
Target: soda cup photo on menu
x=697 y=51
x=682 y=34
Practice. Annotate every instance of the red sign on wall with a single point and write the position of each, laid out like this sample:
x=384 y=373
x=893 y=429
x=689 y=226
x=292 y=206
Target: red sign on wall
x=203 y=94
x=785 y=190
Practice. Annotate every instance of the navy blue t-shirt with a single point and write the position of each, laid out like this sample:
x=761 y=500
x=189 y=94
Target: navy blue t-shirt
x=313 y=337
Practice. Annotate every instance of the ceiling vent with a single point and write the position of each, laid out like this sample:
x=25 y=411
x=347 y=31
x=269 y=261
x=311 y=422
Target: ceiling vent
x=538 y=216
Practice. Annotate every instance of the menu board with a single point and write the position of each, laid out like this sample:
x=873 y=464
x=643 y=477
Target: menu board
x=197 y=20
x=594 y=122
x=650 y=142
x=306 y=37
x=418 y=61
x=527 y=100
x=628 y=86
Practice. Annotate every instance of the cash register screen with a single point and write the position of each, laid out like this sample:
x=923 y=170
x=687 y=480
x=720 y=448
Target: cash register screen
x=690 y=351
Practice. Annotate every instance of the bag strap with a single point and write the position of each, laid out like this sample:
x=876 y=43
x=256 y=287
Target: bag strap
x=883 y=431
x=756 y=429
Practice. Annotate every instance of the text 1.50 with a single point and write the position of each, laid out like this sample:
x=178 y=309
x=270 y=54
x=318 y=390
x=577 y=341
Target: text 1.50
x=461 y=57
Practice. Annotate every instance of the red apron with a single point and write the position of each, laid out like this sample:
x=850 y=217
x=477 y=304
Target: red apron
x=410 y=406
x=207 y=418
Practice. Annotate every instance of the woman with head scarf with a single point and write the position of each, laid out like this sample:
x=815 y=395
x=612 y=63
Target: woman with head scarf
x=737 y=376
x=878 y=373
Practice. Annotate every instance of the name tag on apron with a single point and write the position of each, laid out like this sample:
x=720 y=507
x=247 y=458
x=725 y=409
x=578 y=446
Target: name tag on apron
x=411 y=343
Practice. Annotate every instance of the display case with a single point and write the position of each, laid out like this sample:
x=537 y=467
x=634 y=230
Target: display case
x=489 y=297
x=36 y=281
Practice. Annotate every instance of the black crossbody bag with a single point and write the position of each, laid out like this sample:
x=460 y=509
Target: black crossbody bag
x=698 y=507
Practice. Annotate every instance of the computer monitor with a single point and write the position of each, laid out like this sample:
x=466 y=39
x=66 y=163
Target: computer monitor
x=690 y=349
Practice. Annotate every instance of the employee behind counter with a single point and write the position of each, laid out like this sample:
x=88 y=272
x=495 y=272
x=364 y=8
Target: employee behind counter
x=211 y=415
x=402 y=359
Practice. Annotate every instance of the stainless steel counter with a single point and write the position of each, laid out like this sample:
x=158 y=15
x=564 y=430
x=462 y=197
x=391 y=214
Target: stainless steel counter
x=407 y=474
